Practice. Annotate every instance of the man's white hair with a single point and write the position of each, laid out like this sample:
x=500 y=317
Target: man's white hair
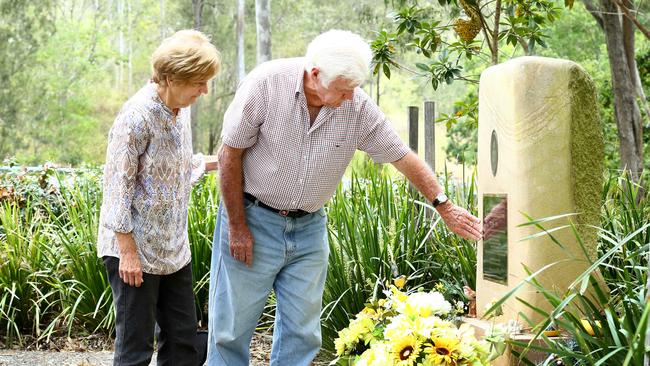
x=338 y=53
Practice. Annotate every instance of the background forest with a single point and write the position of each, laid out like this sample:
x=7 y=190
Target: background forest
x=68 y=65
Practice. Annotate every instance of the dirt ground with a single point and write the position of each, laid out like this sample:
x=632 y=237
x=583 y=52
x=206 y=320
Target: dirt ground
x=77 y=354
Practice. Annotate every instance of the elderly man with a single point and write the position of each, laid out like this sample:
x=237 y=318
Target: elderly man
x=288 y=137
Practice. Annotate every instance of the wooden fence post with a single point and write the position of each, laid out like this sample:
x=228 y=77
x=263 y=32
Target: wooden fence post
x=413 y=128
x=430 y=134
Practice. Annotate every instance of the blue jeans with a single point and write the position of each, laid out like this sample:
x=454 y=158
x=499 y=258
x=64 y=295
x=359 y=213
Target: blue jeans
x=290 y=257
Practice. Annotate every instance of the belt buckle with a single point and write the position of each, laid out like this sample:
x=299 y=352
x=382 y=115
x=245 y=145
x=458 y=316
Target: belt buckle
x=284 y=213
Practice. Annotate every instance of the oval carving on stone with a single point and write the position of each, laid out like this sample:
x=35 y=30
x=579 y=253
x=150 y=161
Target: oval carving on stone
x=494 y=153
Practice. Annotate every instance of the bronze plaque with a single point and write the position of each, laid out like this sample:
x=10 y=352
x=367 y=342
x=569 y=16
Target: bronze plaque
x=495 y=238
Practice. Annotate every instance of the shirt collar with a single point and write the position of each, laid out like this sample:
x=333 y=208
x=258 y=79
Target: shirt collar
x=153 y=90
x=300 y=89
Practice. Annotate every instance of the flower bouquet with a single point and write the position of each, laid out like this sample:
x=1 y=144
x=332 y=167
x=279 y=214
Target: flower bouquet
x=410 y=330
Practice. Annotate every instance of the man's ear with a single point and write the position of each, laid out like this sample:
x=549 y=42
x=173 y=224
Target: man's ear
x=314 y=72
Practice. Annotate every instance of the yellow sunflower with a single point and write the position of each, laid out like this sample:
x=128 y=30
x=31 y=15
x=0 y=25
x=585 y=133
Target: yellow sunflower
x=405 y=351
x=442 y=351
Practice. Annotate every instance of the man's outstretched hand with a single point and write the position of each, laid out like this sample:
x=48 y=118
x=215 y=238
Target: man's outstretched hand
x=460 y=221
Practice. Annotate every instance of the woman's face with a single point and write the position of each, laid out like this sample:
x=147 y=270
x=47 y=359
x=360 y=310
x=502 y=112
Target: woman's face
x=185 y=94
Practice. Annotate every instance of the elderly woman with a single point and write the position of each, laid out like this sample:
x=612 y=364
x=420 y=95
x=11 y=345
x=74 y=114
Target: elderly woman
x=143 y=223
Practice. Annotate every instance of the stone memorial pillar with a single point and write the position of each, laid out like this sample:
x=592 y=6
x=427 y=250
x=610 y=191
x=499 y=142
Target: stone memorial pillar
x=540 y=153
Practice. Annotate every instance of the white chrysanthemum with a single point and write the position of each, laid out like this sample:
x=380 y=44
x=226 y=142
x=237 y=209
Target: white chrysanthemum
x=378 y=355
x=400 y=326
x=424 y=304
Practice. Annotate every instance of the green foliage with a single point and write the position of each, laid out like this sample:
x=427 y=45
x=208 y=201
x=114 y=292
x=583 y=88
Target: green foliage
x=383 y=50
x=25 y=27
x=604 y=311
x=202 y=214
x=380 y=229
x=25 y=264
x=68 y=66
x=51 y=280
x=462 y=130
x=421 y=29
x=84 y=292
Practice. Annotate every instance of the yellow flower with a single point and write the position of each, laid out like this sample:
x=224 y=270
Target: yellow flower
x=368 y=311
x=397 y=297
x=442 y=350
x=340 y=346
x=405 y=351
x=400 y=281
x=588 y=328
x=344 y=342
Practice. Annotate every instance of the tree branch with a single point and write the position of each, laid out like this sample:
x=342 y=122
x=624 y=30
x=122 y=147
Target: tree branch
x=495 y=33
x=523 y=45
x=486 y=33
x=595 y=12
x=629 y=15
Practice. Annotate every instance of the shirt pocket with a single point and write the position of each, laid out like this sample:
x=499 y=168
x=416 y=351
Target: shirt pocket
x=333 y=156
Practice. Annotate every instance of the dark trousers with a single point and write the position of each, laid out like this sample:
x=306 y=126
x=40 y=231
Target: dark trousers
x=164 y=299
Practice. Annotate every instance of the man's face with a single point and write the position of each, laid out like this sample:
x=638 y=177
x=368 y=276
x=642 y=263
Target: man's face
x=186 y=94
x=338 y=91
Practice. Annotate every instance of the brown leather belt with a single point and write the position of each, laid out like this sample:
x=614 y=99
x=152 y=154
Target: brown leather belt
x=286 y=213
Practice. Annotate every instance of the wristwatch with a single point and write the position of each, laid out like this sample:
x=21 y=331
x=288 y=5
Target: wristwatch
x=440 y=199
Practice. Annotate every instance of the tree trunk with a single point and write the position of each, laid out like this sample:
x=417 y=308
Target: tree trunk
x=263 y=23
x=162 y=19
x=495 y=34
x=194 y=121
x=129 y=27
x=120 y=42
x=377 y=93
x=197 y=7
x=628 y=116
x=628 y=39
x=241 y=67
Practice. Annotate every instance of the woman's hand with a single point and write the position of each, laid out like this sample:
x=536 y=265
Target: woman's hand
x=130 y=267
x=211 y=162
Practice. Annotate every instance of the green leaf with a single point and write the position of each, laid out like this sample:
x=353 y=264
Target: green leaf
x=421 y=66
x=387 y=71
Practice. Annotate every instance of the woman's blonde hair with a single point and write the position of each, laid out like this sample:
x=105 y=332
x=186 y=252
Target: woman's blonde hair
x=186 y=56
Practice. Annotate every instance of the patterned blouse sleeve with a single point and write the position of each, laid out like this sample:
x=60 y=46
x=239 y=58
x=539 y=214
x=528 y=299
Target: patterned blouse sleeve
x=127 y=140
